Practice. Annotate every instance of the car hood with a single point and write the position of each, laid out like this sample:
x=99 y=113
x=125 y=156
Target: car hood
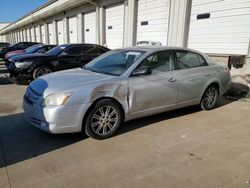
x=23 y=57
x=66 y=80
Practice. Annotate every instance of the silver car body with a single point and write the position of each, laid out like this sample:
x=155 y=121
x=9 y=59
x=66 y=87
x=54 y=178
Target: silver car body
x=138 y=96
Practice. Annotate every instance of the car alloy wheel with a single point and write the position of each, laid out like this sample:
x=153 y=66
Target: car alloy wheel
x=210 y=98
x=103 y=120
x=40 y=71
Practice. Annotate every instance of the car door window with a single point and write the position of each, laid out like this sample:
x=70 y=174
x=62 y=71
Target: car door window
x=159 y=62
x=187 y=60
x=42 y=50
x=75 y=50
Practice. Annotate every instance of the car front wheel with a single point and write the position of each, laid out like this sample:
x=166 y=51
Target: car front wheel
x=40 y=71
x=103 y=120
x=209 y=98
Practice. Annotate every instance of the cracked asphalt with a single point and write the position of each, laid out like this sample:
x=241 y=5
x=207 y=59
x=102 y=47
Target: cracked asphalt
x=182 y=148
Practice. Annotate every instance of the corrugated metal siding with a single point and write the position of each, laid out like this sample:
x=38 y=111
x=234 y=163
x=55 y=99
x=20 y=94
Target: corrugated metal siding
x=227 y=31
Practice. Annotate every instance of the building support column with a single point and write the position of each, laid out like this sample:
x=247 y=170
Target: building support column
x=80 y=30
x=130 y=19
x=46 y=33
x=66 y=30
x=179 y=21
x=97 y=25
x=102 y=25
x=55 y=38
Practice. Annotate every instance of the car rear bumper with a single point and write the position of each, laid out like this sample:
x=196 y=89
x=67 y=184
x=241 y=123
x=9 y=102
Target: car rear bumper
x=55 y=119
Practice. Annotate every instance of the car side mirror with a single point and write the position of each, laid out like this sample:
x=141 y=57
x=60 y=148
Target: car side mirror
x=144 y=70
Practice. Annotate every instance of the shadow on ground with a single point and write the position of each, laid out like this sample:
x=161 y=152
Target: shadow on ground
x=20 y=141
x=5 y=81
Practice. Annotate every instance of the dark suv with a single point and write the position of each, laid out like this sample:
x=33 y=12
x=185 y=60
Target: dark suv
x=17 y=46
x=31 y=66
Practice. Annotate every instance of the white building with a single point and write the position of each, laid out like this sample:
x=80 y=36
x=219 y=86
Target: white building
x=212 y=26
x=3 y=25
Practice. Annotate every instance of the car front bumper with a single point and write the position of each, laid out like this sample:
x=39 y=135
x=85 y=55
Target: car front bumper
x=55 y=119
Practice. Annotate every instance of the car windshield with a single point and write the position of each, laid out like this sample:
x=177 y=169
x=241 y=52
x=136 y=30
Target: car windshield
x=56 y=50
x=32 y=49
x=114 y=63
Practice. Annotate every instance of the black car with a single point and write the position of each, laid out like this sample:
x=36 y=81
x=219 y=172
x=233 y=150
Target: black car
x=4 y=44
x=17 y=46
x=30 y=66
x=37 y=48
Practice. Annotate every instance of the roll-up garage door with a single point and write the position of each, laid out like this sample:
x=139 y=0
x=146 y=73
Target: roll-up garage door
x=24 y=35
x=20 y=36
x=114 y=26
x=73 y=30
x=221 y=27
x=152 y=22
x=60 y=33
x=32 y=35
x=50 y=32
x=28 y=35
x=38 y=38
x=90 y=28
x=43 y=33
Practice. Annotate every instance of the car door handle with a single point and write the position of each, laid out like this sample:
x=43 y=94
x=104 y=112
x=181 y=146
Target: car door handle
x=206 y=74
x=172 y=79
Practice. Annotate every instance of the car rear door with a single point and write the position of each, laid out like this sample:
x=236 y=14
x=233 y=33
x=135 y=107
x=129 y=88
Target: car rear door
x=90 y=52
x=193 y=74
x=156 y=92
x=70 y=58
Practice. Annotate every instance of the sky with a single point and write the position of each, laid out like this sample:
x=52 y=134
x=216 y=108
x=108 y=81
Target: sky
x=12 y=10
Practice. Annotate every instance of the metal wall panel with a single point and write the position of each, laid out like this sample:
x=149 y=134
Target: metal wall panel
x=72 y=30
x=114 y=26
x=90 y=27
x=152 y=22
x=227 y=31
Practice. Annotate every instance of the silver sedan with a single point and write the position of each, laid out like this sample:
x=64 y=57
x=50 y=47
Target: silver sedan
x=122 y=85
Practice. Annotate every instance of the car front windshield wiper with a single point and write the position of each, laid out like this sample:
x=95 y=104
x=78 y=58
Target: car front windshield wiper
x=101 y=72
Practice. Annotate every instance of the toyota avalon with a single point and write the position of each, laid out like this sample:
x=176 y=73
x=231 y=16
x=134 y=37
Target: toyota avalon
x=122 y=85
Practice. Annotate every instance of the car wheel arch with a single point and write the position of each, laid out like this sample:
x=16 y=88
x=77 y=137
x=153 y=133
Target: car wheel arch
x=95 y=102
x=215 y=83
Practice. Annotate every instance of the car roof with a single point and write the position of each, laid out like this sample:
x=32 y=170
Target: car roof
x=158 y=48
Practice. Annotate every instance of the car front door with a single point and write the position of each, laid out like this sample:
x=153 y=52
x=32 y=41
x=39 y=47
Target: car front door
x=193 y=74
x=156 y=92
x=70 y=58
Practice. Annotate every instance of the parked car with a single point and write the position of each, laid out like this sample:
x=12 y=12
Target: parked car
x=148 y=43
x=4 y=44
x=67 y=56
x=16 y=46
x=37 y=48
x=122 y=85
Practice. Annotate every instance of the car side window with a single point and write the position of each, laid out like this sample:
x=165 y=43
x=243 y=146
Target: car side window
x=42 y=50
x=159 y=62
x=186 y=60
x=90 y=49
x=75 y=50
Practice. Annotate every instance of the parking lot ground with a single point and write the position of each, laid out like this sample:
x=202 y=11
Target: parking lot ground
x=181 y=148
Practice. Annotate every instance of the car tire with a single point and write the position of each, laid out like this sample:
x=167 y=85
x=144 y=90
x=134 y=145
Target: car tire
x=103 y=120
x=209 y=98
x=40 y=71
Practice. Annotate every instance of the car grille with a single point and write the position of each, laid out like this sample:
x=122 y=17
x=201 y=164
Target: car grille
x=31 y=96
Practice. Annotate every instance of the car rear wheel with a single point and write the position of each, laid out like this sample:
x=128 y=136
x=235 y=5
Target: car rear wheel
x=40 y=71
x=209 y=98
x=103 y=120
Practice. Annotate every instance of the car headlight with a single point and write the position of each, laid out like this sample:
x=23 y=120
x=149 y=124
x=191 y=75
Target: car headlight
x=56 y=99
x=24 y=64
